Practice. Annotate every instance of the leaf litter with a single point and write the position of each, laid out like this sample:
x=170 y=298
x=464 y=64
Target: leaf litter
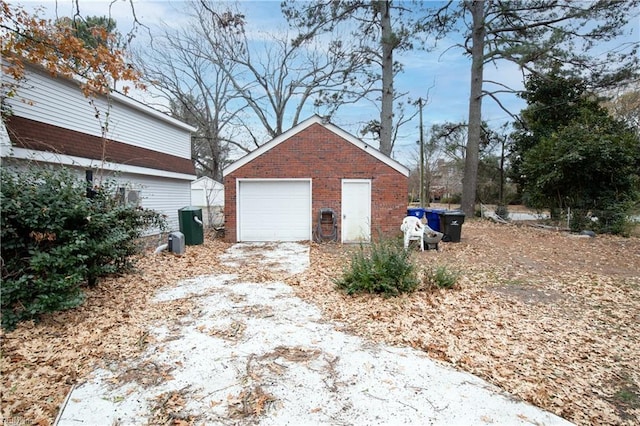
x=549 y=318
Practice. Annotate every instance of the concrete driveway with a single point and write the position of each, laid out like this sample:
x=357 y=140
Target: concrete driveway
x=256 y=354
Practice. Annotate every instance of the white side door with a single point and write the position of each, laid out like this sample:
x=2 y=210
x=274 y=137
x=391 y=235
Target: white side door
x=356 y=210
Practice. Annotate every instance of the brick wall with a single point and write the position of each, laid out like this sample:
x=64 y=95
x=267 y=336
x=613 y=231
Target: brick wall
x=30 y=134
x=326 y=158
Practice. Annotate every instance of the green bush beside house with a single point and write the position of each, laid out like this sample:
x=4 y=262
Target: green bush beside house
x=55 y=239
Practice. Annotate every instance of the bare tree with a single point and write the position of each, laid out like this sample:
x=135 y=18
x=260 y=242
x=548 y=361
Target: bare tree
x=379 y=34
x=432 y=157
x=450 y=138
x=241 y=87
x=199 y=92
x=471 y=162
x=279 y=77
x=624 y=104
x=388 y=42
x=532 y=33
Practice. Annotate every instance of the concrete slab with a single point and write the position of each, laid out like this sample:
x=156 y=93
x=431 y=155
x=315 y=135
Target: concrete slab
x=257 y=354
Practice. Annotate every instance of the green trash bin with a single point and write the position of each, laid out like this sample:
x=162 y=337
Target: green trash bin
x=191 y=226
x=451 y=225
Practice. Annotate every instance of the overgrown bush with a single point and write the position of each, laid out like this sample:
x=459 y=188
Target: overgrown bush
x=502 y=211
x=55 y=240
x=441 y=277
x=383 y=268
x=612 y=219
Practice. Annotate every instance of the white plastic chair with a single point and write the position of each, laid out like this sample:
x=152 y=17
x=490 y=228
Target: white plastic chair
x=413 y=230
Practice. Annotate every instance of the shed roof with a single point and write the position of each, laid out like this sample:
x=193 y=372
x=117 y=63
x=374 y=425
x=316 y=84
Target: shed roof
x=316 y=119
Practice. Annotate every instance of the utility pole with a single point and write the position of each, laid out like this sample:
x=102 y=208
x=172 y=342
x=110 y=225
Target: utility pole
x=501 y=195
x=422 y=195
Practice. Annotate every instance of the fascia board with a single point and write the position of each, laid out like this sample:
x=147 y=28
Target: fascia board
x=315 y=119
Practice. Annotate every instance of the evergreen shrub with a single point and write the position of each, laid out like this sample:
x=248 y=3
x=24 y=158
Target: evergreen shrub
x=441 y=277
x=55 y=239
x=384 y=268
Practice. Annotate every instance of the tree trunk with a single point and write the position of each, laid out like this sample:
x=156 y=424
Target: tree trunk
x=388 y=44
x=470 y=179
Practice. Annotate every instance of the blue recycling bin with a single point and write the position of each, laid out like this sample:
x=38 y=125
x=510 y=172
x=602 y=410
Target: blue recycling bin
x=433 y=218
x=416 y=211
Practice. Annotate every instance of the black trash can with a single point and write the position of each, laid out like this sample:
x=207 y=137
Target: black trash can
x=451 y=225
x=191 y=226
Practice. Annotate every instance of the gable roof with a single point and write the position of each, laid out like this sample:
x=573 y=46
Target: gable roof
x=316 y=119
x=206 y=180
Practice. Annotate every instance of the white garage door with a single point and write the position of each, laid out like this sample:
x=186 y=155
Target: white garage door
x=274 y=210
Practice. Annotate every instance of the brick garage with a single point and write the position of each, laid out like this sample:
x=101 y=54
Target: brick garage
x=276 y=192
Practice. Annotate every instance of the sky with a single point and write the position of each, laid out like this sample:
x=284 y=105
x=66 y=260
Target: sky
x=441 y=76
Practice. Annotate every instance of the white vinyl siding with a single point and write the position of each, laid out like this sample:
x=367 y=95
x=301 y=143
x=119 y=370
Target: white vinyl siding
x=163 y=195
x=59 y=102
x=207 y=192
x=273 y=210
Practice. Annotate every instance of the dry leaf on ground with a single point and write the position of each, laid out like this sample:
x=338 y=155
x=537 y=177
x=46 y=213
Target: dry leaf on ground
x=548 y=317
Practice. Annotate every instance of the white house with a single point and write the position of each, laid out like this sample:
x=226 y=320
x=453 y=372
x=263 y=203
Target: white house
x=208 y=194
x=147 y=153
